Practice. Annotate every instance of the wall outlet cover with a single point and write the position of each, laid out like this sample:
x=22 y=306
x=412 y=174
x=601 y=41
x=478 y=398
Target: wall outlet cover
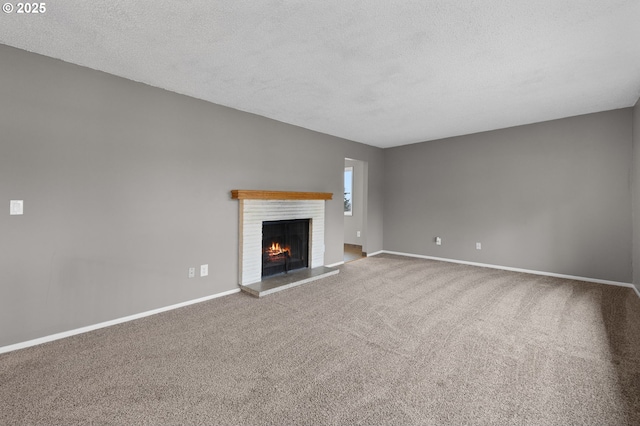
x=192 y=272
x=478 y=246
x=16 y=207
x=204 y=270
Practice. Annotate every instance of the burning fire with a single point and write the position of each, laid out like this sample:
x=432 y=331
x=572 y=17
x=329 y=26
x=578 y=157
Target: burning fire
x=277 y=250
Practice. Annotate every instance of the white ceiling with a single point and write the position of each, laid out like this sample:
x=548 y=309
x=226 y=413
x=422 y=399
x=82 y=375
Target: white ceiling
x=381 y=72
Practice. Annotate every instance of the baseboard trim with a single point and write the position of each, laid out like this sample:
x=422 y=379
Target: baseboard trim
x=88 y=328
x=375 y=253
x=62 y=335
x=508 y=268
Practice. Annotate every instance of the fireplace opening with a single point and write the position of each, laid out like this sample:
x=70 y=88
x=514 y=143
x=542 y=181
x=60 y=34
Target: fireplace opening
x=285 y=246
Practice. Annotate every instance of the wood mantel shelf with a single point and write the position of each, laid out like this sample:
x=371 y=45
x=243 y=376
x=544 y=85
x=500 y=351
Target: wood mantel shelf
x=248 y=194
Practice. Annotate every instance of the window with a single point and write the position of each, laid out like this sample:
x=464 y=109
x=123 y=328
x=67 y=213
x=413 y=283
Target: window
x=348 y=191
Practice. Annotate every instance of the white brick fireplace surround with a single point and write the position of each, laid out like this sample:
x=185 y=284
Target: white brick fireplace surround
x=259 y=206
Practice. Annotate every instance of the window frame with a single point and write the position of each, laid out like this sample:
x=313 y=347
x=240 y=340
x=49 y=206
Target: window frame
x=350 y=198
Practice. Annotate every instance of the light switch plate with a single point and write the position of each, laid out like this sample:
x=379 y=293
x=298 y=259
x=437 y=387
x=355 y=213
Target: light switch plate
x=204 y=270
x=16 y=207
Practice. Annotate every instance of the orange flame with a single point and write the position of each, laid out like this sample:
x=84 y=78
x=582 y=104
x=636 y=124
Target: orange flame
x=275 y=249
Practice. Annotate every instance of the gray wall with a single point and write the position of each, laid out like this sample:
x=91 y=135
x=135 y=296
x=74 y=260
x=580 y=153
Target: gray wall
x=550 y=197
x=355 y=222
x=126 y=186
x=635 y=186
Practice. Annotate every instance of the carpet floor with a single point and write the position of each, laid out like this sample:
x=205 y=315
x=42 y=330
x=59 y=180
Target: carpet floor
x=390 y=340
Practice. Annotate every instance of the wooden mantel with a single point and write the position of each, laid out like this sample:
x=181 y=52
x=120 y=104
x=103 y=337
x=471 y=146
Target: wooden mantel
x=248 y=194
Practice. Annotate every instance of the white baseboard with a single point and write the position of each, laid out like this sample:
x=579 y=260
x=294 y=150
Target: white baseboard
x=88 y=328
x=507 y=268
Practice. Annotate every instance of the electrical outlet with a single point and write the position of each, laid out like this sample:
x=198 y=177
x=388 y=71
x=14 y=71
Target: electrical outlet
x=204 y=270
x=16 y=207
x=358 y=234
x=192 y=272
x=478 y=246
x=438 y=241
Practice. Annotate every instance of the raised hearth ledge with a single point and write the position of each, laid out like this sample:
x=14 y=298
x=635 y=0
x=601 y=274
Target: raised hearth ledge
x=248 y=194
x=284 y=281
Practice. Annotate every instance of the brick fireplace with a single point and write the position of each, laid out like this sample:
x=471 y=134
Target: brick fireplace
x=259 y=207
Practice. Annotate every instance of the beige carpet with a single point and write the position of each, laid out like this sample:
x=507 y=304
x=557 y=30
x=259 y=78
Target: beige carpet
x=389 y=340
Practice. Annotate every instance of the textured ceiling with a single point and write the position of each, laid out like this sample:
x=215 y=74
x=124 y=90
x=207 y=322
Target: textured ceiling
x=381 y=72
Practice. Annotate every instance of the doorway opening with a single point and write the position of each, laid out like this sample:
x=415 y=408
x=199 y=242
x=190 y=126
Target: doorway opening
x=355 y=209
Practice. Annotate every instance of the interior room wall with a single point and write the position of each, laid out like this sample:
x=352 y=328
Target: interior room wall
x=550 y=197
x=126 y=186
x=635 y=186
x=354 y=223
